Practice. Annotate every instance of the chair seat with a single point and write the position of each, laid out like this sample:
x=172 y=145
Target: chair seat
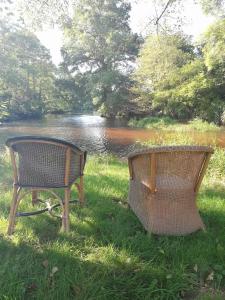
x=173 y=182
x=165 y=182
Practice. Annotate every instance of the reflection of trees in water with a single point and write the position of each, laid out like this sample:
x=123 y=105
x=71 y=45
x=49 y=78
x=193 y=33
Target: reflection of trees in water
x=95 y=134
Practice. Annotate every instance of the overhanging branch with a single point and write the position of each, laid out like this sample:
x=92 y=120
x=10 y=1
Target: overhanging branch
x=163 y=11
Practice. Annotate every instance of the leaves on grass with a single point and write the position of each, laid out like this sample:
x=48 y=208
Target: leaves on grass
x=45 y=263
x=75 y=289
x=196 y=268
x=32 y=287
x=210 y=277
x=54 y=270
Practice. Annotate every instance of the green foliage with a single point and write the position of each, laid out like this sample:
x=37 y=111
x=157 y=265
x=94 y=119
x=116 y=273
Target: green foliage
x=214 y=47
x=152 y=122
x=191 y=92
x=159 y=61
x=100 y=46
x=71 y=94
x=173 y=78
x=26 y=74
x=213 y=7
x=159 y=57
x=183 y=83
x=38 y=14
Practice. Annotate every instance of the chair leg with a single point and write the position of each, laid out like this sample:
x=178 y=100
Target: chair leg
x=13 y=209
x=81 y=191
x=65 y=213
x=34 y=197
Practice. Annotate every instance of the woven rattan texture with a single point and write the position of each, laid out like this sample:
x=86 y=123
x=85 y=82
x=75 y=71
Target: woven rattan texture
x=43 y=164
x=171 y=210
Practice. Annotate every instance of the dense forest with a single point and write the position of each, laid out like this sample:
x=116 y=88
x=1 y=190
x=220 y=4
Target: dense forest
x=108 y=68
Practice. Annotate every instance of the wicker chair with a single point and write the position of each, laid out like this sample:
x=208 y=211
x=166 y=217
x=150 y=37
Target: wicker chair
x=45 y=164
x=164 y=182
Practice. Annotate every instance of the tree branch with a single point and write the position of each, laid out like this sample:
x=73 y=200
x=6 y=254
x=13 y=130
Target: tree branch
x=163 y=11
x=156 y=20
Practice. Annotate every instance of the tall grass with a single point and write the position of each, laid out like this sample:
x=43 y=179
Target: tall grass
x=201 y=125
x=166 y=123
x=216 y=168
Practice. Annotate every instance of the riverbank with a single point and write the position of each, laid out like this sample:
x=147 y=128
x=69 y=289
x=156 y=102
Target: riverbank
x=108 y=254
x=166 y=123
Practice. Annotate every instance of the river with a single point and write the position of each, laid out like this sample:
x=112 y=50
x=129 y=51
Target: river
x=96 y=134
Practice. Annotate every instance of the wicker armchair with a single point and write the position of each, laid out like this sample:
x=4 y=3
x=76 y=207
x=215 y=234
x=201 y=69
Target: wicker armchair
x=164 y=182
x=45 y=164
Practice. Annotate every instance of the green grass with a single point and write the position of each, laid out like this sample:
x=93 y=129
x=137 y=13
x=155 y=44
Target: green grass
x=108 y=254
x=166 y=123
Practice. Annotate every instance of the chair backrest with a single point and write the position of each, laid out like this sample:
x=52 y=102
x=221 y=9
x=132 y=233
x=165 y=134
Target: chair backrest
x=171 y=165
x=45 y=162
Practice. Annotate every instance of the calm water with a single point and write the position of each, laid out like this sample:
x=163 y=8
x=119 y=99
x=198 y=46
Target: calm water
x=95 y=134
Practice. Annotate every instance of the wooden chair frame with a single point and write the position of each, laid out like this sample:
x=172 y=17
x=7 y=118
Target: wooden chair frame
x=17 y=188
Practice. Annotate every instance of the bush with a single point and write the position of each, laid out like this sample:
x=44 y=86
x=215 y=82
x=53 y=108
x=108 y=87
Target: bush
x=152 y=122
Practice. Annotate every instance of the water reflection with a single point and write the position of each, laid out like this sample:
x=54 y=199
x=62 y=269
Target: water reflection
x=77 y=121
x=96 y=134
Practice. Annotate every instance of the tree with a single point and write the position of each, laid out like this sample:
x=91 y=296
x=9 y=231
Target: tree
x=160 y=57
x=38 y=14
x=191 y=93
x=177 y=80
x=199 y=87
x=26 y=73
x=168 y=16
x=165 y=16
x=213 y=48
x=71 y=93
x=213 y=7
x=100 y=46
x=213 y=44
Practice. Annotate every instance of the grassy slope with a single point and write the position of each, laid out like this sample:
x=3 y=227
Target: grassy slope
x=107 y=254
x=166 y=123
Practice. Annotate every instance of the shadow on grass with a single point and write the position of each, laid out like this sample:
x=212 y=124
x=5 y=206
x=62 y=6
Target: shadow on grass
x=132 y=266
x=108 y=254
x=216 y=192
x=31 y=272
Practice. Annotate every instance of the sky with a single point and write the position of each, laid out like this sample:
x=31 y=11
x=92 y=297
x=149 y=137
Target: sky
x=141 y=12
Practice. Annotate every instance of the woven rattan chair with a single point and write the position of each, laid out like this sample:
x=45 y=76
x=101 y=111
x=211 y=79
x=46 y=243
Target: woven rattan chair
x=45 y=164
x=164 y=182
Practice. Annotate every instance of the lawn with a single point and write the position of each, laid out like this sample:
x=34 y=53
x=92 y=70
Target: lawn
x=108 y=254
